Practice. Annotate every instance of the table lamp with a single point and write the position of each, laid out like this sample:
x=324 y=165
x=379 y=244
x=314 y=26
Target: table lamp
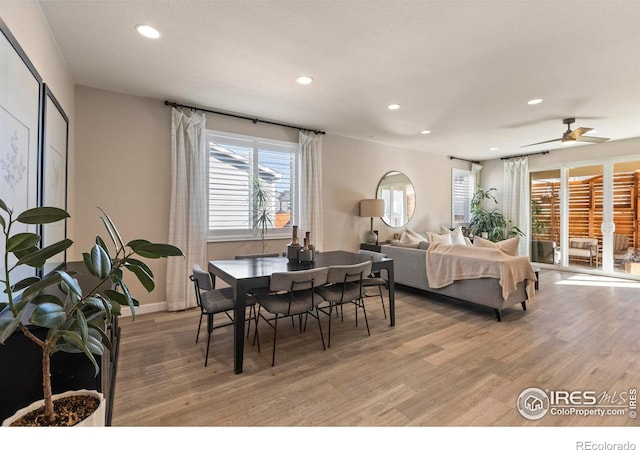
x=371 y=208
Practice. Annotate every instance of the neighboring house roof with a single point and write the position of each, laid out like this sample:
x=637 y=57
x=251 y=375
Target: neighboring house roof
x=242 y=163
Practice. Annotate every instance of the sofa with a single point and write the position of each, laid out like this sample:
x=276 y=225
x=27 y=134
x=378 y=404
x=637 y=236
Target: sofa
x=410 y=270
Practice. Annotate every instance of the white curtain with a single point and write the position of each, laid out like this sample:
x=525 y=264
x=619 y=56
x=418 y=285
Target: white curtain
x=475 y=174
x=516 y=198
x=311 y=186
x=188 y=213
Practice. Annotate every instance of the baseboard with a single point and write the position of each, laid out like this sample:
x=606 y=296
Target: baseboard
x=145 y=309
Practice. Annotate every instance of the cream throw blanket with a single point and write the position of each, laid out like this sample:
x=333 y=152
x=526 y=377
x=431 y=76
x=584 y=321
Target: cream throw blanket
x=448 y=263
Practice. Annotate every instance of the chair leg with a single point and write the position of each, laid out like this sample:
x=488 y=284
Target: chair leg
x=275 y=333
x=199 y=324
x=320 y=327
x=209 y=331
x=256 y=337
x=330 y=314
x=364 y=311
x=384 y=310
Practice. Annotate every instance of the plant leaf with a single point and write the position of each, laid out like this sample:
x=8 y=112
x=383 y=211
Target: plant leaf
x=36 y=287
x=70 y=282
x=48 y=315
x=39 y=257
x=8 y=325
x=4 y=206
x=145 y=279
x=137 y=243
x=24 y=283
x=75 y=339
x=46 y=298
x=42 y=215
x=112 y=230
x=86 y=257
x=103 y=336
x=22 y=241
x=154 y=251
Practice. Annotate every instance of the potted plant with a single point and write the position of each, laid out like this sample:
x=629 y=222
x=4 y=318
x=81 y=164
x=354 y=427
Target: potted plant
x=487 y=218
x=261 y=211
x=75 y=321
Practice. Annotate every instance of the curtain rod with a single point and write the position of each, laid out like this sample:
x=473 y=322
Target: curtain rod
x=237 y=116
x=462 y=159
x=526 y=154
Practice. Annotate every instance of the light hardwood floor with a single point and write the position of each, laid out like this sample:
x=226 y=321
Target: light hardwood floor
x=445 y=363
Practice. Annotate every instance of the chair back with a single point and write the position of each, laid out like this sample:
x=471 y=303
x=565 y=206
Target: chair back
x=298 y=280
x=349 y=273
x=620 y=243
x=202 y=281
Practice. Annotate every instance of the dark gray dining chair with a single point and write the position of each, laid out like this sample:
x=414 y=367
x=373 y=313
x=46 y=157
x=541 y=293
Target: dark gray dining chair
x=292 y=294
x=344 y=285
x=211 y=301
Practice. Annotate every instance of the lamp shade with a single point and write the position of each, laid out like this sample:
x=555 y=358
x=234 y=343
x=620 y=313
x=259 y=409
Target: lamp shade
x=372 y=208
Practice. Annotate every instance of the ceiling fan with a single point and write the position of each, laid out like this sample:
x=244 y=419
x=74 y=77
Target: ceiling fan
x=570 y=136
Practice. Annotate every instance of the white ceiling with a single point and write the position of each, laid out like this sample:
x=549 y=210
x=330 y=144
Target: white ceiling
x=462 y=69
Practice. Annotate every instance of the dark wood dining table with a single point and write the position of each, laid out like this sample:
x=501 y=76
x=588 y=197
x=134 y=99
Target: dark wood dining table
x=245 y=274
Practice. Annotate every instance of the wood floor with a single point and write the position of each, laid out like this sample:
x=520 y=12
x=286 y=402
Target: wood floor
x=445 y=363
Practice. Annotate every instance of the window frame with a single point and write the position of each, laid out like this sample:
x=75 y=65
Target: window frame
x=256 y=143
x=456 y=173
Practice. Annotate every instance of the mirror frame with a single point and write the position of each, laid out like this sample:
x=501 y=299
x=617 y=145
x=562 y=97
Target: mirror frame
x=410 y=204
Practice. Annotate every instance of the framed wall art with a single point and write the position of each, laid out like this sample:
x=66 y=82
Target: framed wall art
x=20 y=113
x=55 y=132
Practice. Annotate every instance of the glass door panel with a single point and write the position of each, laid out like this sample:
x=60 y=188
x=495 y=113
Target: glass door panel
x=545 y=216
x=585 y=190
x=626 y=202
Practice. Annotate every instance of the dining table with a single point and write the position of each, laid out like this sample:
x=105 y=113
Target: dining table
x=244 y=275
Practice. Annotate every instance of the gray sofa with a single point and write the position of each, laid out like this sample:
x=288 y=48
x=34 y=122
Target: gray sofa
x=410 y=270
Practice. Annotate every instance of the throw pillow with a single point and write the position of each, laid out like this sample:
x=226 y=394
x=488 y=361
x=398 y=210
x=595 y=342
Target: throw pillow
x=439 y=238
x=457 y=238
x=424 y=245
x=508 y=246
x=415 y=236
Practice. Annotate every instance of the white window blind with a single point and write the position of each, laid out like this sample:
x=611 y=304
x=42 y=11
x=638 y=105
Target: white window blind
x=462 y=189
x=236 y=163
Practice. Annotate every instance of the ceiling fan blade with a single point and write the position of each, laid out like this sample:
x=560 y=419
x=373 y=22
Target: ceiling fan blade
x=543 y=142
x=593 y=139
x=575 y=134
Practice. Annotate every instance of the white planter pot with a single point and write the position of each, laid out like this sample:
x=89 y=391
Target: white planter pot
x=97 y=419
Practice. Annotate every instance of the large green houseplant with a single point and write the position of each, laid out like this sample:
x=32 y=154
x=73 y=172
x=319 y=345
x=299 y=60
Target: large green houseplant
x=487 y=218
x=75 y=321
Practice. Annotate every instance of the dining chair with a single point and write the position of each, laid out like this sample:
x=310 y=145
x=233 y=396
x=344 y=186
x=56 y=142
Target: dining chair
x=374 y=280
x=344 y=285
x=292 y=294
x=211 y=301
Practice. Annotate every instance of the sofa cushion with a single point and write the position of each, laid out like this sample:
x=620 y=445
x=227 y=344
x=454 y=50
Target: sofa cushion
x=424 y=245
x=508 y=246
x=398 y=243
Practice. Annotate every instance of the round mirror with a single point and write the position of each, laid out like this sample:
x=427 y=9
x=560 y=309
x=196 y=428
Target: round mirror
x=399 y=196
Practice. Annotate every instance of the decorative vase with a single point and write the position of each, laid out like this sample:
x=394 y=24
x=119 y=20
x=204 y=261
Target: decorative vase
x=305 y=254
x=293 y=249
x=96 y=419
x=311 y=246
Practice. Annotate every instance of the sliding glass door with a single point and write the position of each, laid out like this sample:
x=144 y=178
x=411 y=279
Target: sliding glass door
x=587 y=217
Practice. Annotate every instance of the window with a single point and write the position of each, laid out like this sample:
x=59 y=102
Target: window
x=236 y=164
x=462 y=188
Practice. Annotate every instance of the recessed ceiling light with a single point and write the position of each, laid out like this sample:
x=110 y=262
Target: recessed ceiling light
x=534 y=101
x=304 y=80
x=425 y=132
x=148 y=31
x=393 y=106
x=493 y=149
